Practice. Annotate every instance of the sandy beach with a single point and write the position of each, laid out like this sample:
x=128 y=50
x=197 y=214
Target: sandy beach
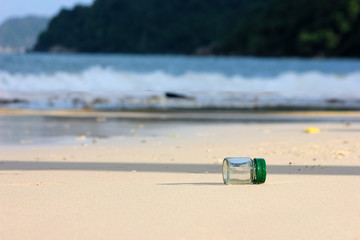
x=90 y=175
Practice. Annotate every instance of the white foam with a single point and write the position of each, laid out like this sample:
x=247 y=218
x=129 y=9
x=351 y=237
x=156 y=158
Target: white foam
x=214 y=88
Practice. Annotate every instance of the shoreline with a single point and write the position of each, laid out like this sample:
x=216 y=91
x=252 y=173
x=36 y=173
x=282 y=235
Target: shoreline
x=29 y=127
x=183 y=114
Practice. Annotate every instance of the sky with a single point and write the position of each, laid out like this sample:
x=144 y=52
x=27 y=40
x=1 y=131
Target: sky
x=46 y=8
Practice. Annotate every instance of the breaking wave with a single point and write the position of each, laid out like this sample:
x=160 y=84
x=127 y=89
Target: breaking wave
x=101 y=87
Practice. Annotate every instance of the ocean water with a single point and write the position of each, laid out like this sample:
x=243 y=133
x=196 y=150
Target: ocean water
x=116 y=82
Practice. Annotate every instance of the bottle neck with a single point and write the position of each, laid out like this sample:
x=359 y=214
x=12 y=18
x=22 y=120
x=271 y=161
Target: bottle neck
x=253 y=171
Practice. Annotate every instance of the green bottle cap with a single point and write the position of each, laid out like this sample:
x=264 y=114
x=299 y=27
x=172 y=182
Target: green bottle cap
x=260 y=169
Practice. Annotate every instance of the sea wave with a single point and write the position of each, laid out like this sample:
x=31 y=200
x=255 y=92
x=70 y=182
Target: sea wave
x=119 y=89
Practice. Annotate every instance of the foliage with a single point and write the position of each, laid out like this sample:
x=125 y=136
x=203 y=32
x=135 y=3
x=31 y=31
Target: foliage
x=242 y=27
x=301 y=28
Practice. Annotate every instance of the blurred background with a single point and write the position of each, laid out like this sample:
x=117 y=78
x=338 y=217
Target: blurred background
x=180 y=55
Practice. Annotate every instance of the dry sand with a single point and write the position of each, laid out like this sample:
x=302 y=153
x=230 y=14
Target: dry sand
x=164 y=182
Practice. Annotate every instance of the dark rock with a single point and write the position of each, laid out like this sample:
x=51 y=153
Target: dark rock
x=178 y=96
x=13 y=101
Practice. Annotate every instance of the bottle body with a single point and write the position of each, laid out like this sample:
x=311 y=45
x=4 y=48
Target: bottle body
x=244 y=170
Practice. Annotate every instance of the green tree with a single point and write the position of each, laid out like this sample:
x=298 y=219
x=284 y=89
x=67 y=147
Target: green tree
x=241 y=27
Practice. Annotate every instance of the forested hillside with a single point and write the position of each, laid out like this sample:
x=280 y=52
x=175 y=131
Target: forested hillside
x=228 y=27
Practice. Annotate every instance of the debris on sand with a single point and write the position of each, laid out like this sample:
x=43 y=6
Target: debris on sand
x=312 y=130
x=101 y=119
x=81 y=138
x=173 y=135
x=341 y=153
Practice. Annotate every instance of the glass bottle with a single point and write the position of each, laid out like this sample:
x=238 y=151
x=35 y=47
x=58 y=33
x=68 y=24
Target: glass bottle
x=244 y=170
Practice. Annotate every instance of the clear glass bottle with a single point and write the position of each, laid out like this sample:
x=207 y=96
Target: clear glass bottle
x=244 y=170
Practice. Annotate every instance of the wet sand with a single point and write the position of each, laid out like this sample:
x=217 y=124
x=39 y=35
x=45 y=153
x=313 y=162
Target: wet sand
x=110 y=176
